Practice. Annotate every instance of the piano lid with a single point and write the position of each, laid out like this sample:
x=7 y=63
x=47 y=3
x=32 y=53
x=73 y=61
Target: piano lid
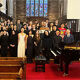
x=73 y=46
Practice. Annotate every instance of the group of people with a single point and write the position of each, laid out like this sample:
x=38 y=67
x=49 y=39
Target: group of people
x=25 y=40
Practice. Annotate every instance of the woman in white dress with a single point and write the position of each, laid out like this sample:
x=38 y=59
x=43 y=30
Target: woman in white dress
x=21 y=43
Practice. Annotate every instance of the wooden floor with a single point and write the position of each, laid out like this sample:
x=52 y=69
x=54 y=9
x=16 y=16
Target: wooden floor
x=9 y=68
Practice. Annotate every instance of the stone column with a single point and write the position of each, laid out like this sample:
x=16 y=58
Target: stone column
x=65 y=7
x=14 y=11
x=10 y=8
x=79 y=25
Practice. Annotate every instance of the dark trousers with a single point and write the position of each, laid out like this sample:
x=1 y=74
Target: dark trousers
x=66 y=59
x=29 y=58
x=13 y=51
x=29 y=53
x=46 y=53
x=36 y=51
x=4 y=51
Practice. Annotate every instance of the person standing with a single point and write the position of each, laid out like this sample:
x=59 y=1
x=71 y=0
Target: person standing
x=62 y=30
x=33 y=29
x=53 y=32
x=13 y=44
x=30 y=47
x=57 y=40
x=4 y=44
x=15 y=29
x=68 y=38
x=68 y=54
x=19 y=25
x=22 y=39
x=37 y=43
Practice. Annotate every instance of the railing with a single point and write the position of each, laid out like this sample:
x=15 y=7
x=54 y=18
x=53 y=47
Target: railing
x=22 y=71
x=5 y=16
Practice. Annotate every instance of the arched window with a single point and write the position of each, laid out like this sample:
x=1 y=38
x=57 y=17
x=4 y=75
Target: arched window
x=37 y=8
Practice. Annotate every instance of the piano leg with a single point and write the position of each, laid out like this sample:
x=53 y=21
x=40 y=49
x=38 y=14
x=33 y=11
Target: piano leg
x=66 y=68
x=61 y=63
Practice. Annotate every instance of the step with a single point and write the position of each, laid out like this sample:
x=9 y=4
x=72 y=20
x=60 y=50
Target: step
x=5 y=65
x=8 y=79
x=10 y=62
x=8 y=75
x=11 y=58
x=9 y=68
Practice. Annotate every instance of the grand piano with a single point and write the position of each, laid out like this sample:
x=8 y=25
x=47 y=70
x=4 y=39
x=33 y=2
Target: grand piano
x=70 y=53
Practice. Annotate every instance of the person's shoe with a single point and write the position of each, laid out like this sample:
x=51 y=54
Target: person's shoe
x=60 y=69
x=65 y=74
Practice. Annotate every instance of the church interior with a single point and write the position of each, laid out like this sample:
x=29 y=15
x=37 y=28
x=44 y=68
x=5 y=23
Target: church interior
x=39 y=40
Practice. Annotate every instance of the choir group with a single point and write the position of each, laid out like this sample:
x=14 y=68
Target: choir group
x=24 y=39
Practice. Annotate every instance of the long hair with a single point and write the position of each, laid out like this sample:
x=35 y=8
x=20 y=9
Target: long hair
x=45 y=34
x=37 y=38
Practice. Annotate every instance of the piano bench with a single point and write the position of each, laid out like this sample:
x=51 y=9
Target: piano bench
x=40 y=62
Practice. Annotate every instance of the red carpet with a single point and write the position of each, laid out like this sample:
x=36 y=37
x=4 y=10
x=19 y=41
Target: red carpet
x=51 y=72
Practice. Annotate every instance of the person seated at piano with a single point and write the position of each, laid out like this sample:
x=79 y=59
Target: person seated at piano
x=68 y=38
x=46 y=45
x=53 y=32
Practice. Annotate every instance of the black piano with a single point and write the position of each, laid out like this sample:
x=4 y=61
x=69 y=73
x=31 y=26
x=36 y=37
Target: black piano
x=71 y=52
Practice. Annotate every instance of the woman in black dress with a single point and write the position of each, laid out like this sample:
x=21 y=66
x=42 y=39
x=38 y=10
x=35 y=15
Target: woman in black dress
x=13 y=44
x=37 y=43
x=30 y=47
x=4 y=44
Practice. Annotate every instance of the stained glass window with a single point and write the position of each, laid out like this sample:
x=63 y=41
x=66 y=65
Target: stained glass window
x=32 y=7
x=37 y=8
x=28 y=7
x=45 y=7
x=41 y=8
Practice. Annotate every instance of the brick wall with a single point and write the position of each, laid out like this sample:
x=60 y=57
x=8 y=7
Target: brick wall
x=20 y=10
